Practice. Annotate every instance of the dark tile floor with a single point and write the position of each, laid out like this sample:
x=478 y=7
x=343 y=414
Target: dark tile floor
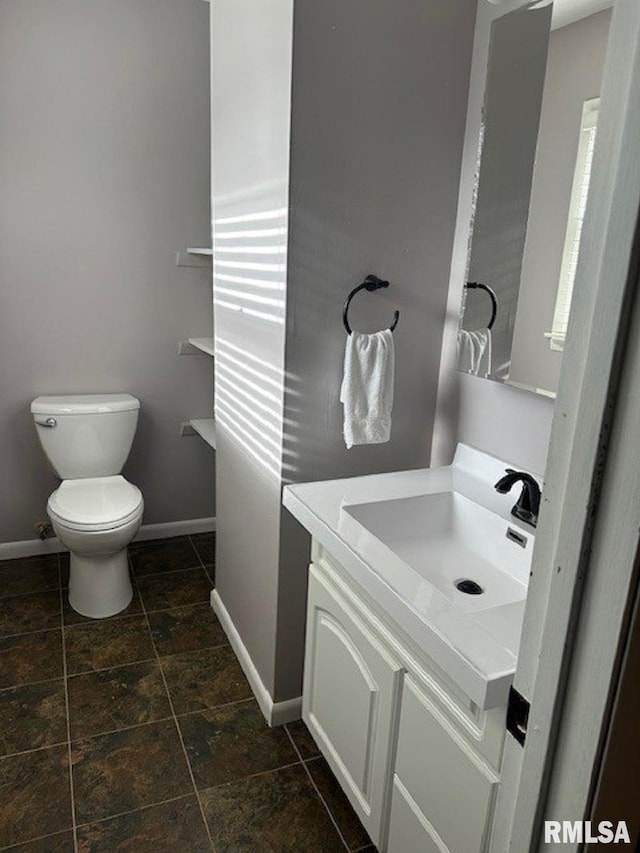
x=140 y=732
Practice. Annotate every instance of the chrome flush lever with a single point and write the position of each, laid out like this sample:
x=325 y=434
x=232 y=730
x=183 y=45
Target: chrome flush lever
x=48 y=422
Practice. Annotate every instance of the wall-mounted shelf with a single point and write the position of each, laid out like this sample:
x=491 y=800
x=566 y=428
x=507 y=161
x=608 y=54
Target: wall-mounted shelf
x=203 y=344
x=206 y=429
x=194 y=257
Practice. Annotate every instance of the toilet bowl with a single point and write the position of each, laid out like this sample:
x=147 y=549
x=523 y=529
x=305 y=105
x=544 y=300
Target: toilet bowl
x=95 y=512
x=96 y=519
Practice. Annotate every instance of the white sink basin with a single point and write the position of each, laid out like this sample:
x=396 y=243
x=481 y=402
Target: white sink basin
x=442 y=539
x=405 y=538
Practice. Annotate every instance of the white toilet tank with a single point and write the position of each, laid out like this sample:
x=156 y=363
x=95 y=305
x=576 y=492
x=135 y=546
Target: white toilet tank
x=86 y=435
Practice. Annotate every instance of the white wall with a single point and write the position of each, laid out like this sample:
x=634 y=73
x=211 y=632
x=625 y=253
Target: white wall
x=104 y=165
x=509 y=423
x=251 y=90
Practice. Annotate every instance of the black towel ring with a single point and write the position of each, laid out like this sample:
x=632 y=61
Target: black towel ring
x=371 y=282
x=476 y=285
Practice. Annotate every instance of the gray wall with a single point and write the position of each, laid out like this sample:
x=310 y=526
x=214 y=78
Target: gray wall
x=574 y=75
x=379 y=99
x=104 y=170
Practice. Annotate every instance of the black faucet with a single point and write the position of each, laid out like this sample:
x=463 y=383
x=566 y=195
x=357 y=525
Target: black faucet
x=528 y=504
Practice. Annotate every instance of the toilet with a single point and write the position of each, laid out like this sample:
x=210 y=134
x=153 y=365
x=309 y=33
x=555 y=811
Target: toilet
x=95 y=512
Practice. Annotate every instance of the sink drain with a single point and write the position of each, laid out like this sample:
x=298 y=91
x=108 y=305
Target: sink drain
x=469 y=587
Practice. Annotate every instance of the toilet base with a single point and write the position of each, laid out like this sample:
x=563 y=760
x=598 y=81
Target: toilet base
x=99 y=584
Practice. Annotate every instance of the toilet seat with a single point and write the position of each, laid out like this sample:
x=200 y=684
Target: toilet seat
x=95 y=503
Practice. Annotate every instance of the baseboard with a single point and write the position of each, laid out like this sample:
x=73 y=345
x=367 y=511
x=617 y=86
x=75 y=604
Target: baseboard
x=30 y=548
x=275 y=713
x=286 y=712
x=165 y=530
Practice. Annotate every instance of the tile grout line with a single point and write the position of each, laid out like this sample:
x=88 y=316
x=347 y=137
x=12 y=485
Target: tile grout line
x=66 y=701
x=34 y=749
x=31 y=633
x=57 y=627
x=167 y=572
x=12 y=595
x=110 y=620
x=124 y=729
x=370 y=845
x=107 y=668
x=169 y=716
x=316 y=789
x=253 y=776
x=133 y=811
x=30 y=684
x=129 y=663
x=215 y=707
x=34 y=840
x=100 y=820
x=202 y=562
x=192 y=543
x=179 y=606
x=175 y=720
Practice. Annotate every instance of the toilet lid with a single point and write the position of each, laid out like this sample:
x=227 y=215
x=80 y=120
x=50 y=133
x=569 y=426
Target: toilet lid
x=95 y=503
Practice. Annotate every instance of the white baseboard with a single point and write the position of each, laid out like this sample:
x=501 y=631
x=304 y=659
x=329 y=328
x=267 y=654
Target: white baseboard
x=37 y=547
x=30 y=548
x=286 y=712
x=166 y=529
x=275 y=713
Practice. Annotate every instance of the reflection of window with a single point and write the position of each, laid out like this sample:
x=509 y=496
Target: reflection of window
x=579 y=193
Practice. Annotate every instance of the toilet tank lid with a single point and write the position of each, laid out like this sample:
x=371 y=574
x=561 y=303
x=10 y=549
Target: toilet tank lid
x=84 y=404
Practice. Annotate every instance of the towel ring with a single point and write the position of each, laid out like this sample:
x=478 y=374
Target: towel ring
x=476 y=285
x=371 y=283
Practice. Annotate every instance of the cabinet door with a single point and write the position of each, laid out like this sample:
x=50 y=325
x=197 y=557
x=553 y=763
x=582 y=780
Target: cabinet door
x=350 y=696
x=450 y=785
x=409 y=830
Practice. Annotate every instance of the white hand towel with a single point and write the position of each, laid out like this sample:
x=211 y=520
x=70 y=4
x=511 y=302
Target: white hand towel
x=474 y=352
x=367 y=387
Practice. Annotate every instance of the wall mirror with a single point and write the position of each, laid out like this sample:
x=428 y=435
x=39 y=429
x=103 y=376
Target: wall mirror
x=537 y=132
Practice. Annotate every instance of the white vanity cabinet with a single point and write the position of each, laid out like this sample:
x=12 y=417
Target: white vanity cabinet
x=416 y=758
x=443 y=790
x=350 y=699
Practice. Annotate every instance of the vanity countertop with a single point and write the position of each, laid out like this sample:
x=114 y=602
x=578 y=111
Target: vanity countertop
x=477 y=650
